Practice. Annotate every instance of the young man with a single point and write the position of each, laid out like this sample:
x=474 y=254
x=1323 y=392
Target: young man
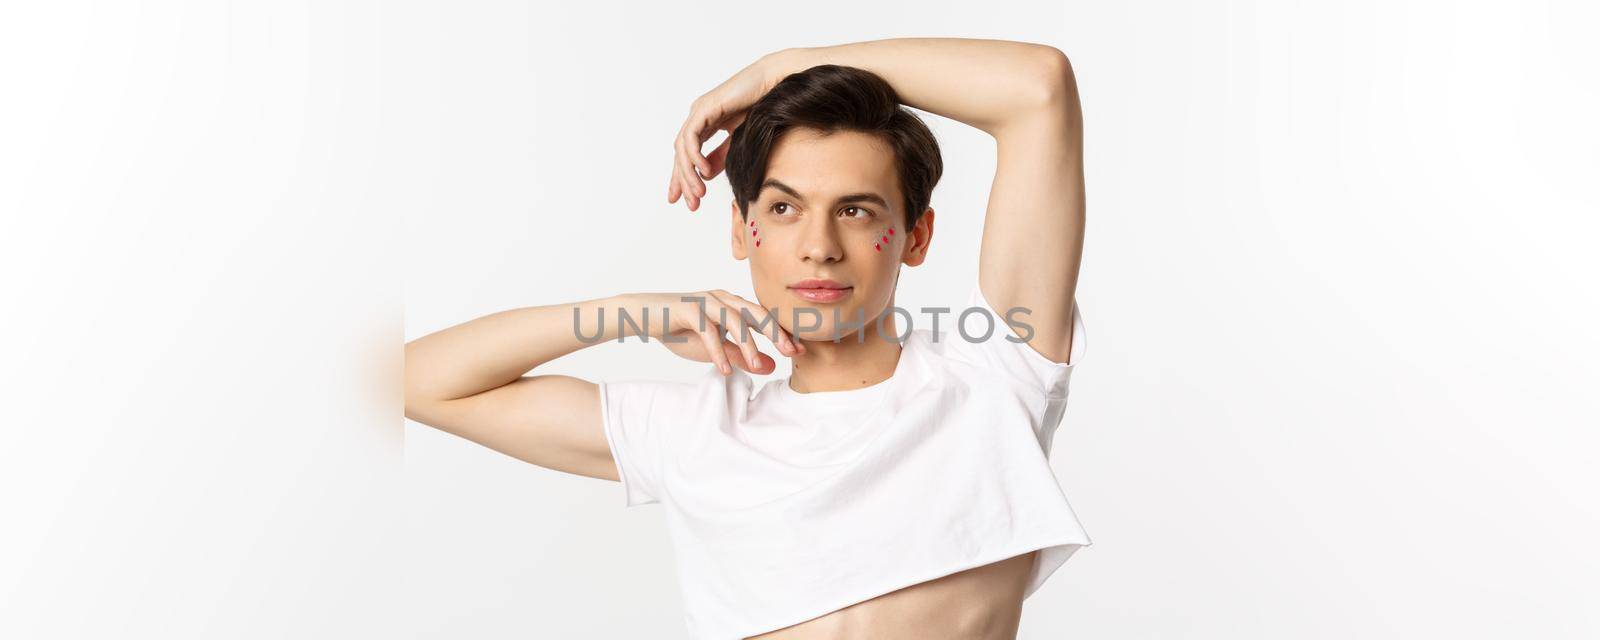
x=897 y=484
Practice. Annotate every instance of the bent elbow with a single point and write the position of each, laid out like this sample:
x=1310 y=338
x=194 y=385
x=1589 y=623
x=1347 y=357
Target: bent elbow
x=1057 y=84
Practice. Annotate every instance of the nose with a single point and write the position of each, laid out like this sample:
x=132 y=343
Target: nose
x=819 y=240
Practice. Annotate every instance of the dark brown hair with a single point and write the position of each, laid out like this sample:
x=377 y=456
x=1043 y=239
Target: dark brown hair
x=831 y=98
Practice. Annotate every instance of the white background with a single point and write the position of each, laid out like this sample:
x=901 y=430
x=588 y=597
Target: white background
x=1338 y=288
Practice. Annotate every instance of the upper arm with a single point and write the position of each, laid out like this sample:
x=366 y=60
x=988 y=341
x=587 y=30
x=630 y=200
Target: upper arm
x=549 y=420
x=1033 y=230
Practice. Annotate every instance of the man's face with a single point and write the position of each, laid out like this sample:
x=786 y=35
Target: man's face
x=827 y=233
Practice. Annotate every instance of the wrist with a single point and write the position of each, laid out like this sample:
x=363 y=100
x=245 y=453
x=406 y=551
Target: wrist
x=779 y=64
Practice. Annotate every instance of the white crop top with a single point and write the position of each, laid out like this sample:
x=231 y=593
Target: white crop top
x=783 y=506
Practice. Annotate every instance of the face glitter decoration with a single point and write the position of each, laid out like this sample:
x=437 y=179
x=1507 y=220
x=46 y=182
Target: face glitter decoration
x=754 y=232
x=883 y=240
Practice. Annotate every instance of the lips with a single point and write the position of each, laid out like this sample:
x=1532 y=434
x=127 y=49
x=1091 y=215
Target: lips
x=820 y=290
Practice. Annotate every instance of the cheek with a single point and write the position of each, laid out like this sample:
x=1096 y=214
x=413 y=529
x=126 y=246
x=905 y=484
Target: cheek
x=883 y=239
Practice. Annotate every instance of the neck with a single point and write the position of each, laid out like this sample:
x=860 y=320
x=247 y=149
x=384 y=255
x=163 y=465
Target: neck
x=860 y=359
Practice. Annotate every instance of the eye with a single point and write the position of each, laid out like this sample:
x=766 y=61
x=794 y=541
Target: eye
x=861 y=211
x=775 y=208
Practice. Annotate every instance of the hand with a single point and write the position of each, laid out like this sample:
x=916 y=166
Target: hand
x=721 y=109
x=707 y=319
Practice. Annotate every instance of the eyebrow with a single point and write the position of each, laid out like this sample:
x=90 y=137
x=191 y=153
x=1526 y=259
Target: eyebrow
x=774 y=183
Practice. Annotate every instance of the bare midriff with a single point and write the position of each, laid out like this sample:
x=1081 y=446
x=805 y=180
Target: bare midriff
x=982 y=603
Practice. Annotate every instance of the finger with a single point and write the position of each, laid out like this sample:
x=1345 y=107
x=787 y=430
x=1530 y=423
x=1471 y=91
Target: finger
x=738 y=304
x=772 y=330
x=748 y=332
x=689 y=146
x=680 y=168
x=681 y=154
x=675 y=184
x=680 y=183
x=678 y=192
x=735 y=325
x=712 y=338
x=701 y=132
x=790 y=342
x=781 y=338
x=719 y=157
x=766 y=363
x=701 y=126
x=687 y=183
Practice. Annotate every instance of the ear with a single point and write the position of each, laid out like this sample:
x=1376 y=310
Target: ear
x=741 y=231
x=921 y=236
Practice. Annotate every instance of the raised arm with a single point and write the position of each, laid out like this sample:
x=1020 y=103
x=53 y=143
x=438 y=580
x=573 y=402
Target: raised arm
x=1024 y=95
x=468 y=379
x=988 y=84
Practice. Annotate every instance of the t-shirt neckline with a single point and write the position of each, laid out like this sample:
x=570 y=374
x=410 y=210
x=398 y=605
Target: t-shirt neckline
x=849 y=396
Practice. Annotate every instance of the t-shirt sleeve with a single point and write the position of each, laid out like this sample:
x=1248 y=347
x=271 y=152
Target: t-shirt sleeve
x=1006 y=350
x=635 y=416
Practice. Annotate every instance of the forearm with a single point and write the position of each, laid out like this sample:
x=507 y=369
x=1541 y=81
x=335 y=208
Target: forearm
x=497 y=349
x=983 y=83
